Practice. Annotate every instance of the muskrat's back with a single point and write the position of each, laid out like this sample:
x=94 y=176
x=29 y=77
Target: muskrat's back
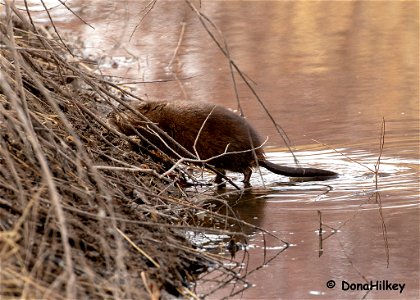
x=221 y=131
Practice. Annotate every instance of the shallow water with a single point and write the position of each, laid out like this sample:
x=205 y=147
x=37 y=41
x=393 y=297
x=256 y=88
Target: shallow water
x=328 y=73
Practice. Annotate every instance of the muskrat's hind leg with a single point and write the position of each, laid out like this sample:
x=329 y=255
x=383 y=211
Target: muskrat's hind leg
x=219 y=178
x=247 y=176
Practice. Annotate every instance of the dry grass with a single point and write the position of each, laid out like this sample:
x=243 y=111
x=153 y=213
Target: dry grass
x=81 y=214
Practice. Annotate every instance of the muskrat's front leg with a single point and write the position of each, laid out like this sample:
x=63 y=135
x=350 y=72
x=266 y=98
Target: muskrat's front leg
x=219 y=178
x=247 y=176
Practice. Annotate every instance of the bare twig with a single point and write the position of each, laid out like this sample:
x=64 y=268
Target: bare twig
x=146 y=10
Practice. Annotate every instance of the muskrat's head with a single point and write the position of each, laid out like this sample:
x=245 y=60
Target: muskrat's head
x=123 y=118
x=147 y=106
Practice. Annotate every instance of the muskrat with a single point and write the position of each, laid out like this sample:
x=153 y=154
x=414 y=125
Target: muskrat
x=213 y=133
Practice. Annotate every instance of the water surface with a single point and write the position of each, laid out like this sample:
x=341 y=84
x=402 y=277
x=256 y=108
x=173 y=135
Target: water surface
x=329 y=73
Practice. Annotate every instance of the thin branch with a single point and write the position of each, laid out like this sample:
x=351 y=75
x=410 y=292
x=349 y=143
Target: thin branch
x=76 y=15
x=55 y=28
x=147 y=9
x=199 y=132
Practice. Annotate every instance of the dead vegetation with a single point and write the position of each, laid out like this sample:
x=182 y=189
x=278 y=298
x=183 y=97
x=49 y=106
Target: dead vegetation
x=81 y=214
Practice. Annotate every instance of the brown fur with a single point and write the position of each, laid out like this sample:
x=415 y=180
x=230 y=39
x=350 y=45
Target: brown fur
x=221 y=131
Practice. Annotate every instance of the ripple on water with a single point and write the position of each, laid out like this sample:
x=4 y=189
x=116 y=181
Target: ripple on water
x=356 y=183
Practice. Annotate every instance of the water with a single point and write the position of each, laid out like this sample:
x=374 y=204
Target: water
x=328 y=72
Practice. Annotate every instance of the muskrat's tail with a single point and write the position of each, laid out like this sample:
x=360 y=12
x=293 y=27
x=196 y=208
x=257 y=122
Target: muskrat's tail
x=296 y=172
